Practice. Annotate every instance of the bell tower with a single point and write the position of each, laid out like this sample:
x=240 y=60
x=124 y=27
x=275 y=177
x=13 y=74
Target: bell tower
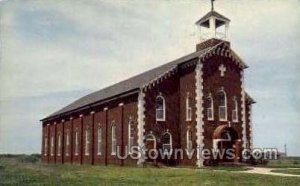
x=212 y=27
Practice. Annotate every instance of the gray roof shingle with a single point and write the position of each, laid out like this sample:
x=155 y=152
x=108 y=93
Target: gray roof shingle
x=130 y=84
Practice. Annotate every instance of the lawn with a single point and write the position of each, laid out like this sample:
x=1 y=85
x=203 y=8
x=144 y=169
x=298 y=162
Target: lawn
x=288 y=162
x=288 y=171
x=16 y=172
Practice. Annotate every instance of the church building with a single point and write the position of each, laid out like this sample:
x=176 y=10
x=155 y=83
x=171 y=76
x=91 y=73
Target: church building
x=198 y=100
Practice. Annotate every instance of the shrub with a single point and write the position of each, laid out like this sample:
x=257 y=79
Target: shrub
x=33 y=158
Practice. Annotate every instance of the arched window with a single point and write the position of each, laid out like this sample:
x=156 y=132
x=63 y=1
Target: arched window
x=234 y=110
x=46 y=146
x=87 y=142
x=189 y=142
x=59 y=145
x=151 y=142
x=160 y=109
x=99 y=140
x=76 y=143
x=67 y=142
x=52 y=146
x=210 y=108
x=130 y=136
x=222 y=106
x=188 y=108
x=113 y=140
x=167 y=142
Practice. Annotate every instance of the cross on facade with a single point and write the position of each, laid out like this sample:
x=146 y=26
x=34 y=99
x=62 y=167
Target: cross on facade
x=222 y=69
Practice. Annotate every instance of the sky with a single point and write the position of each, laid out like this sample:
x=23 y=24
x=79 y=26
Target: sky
x=53 y=52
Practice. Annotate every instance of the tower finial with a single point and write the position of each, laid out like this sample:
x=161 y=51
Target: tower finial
x=212 y=5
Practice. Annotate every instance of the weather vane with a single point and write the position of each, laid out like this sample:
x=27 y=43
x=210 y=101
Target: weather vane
x=212 y=5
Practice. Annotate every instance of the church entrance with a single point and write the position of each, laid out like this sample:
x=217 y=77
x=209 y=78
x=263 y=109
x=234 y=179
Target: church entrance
x=227 y=142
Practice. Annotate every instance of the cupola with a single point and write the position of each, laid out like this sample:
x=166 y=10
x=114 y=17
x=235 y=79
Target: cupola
x=212 y=27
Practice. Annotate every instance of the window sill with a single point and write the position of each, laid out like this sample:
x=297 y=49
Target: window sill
x=210 y=119
x=99 y=154
x=160 y=119
x=222 y=119
x=113 y=154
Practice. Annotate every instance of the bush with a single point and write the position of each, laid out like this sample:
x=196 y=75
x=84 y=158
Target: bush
x=254 y=161
x=33 y=158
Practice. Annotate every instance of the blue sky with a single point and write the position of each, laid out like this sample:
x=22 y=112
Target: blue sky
x=53 y=52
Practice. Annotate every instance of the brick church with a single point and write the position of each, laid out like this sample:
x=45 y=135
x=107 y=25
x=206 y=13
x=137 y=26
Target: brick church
x=198 y=100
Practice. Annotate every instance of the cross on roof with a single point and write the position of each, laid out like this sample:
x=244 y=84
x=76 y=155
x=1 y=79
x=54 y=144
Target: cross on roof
x=212 y=5
x=222 y=69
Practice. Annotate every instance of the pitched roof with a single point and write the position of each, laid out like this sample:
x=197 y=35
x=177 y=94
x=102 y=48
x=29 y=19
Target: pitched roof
x=212 y=13
x=142 y=80
x=130 y=84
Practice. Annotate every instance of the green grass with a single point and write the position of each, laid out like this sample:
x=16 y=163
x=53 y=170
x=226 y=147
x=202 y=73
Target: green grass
x=16 y=172
x=287 y=171
x=290 y=162
x=227 y=168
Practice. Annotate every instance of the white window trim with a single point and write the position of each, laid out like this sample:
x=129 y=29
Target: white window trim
x=188 y=109
x=99 y=140
x=164 y=109
x=113 y=140
x=188 y=141
x=76 y=144
x=171 y=145
x=52 y=146
x=212 y=109
x=59 y=145
x=67 y=142
x=87 y=142
x=236 y=111
x=223 y=119
x=130 y=138
x=45 y=146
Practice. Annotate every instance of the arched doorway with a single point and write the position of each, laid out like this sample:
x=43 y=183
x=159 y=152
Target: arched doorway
x=226 y=139
x=150 y=146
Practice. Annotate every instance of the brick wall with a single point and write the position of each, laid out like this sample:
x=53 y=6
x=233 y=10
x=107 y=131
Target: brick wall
x=59 y=148
x=169 y=89
x=187 y=88
x=212 y=83
x=67 y=147
x=118 y=114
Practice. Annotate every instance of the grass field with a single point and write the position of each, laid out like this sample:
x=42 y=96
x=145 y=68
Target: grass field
x=288 y=162
x=288 y=171
x=27 y=171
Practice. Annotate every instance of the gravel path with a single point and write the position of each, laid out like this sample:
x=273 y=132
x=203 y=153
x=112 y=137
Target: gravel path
x=267 y=171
